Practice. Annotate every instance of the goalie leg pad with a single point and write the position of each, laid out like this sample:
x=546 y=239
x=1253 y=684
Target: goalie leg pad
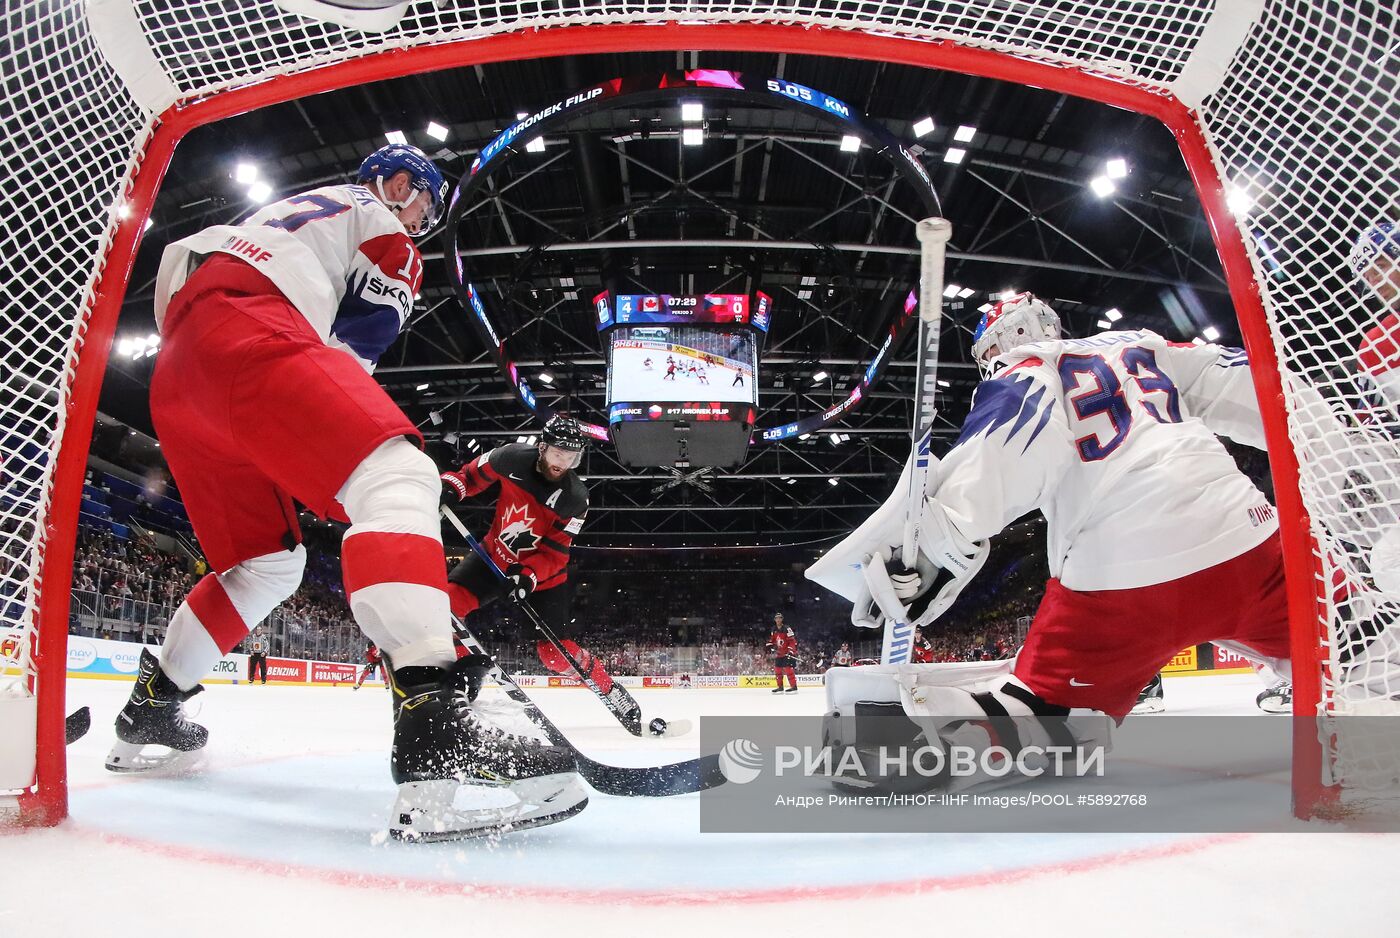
x=985 y=724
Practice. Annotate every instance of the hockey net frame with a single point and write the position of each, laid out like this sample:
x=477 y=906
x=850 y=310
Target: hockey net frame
x=102 y=91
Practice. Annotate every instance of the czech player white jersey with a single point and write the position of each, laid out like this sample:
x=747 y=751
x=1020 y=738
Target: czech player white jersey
x=337 y=253
x=1114 y=439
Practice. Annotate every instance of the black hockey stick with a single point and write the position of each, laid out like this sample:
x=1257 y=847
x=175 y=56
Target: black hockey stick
x=676 y=778
x=620 y=703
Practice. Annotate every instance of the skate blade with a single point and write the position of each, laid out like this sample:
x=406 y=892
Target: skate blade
x=1154 y=705
x=1276 y=706
x=424 y=812
x=132 y=758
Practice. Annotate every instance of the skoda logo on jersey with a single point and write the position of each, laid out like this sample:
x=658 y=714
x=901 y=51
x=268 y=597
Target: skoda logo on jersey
x=518 y=531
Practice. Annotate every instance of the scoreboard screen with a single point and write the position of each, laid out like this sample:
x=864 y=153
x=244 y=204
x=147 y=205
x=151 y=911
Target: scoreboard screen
x=651 y=364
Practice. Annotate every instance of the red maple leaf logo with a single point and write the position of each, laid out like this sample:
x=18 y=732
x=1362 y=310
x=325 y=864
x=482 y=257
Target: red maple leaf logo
x=517 y=533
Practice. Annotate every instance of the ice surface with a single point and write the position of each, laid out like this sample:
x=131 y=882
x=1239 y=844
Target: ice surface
x=281 y=831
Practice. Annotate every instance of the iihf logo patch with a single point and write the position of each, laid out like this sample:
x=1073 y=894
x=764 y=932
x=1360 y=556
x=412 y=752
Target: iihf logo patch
x=518 y=531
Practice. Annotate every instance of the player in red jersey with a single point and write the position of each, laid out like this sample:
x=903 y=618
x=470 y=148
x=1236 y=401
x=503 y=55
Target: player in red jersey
x=373 y=660
x=540 y=507
x=782 y=644
x=923 y=649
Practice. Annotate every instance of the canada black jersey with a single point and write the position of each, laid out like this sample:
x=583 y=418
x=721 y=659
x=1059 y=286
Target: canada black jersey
x=536 y=520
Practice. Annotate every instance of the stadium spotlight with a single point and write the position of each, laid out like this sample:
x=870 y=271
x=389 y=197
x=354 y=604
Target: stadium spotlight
x=546 y=378
x=954 y=155
x=436 y=418
x=692 y=111
x=1113 y=315
x=819 y=376
x=1008 y=293
x=396 y=136
x=1238 y=201
x=944 y=384
x=1210 y=333
x=830 y=481
x=850 y=143
x=245 y=174
x=965 y=292
x=693 y=136
x=259 y=192
x=437 y=131
x=1103 y=186
x=422 y=387
x=964 y=133
x=923 y=127
x=535 y=146
x=1116 y=168
x=951 y=291
x=1104 y=324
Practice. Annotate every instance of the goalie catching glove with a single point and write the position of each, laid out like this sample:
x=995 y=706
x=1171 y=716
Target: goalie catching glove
x=946 y=563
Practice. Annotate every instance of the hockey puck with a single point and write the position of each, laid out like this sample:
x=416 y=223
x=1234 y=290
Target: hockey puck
x=658 y=727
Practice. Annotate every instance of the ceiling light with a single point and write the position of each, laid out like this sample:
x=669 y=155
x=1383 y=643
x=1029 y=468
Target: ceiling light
x=397 y=136
x=830 y=481
x=837 y=439
x=532 y=440
x=436 y=418
x=805 y=436
x=819 y=376
x=1238 y=201
x=245 y=173
x=985 y=308
x=964 y=133
x=570 y=294
x=535 y=146
x=566 y=281
x=850 y=143
x=1103 y=186
x=422 y=387
x=1113 y=315
x=923 y=127
x=450 y=438
x=546 y=378
x=521 y=439
x=1198 y=341
x=951 y=290
x=1210 y=333
x=259 y=192
x=521 y=115
x=437 y=131
x=954 y=155
x=809 y=281
x=965 y=292
x=944 y=384
x=804 y=294
x=1104 y=324
x=692 y=111
x=124 y=347
x=693 y=136
x=1008 y=294
x=1116 y=168
x=472 y=444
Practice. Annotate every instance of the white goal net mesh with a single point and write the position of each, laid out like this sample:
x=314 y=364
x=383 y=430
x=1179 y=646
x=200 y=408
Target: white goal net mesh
x=1298 y=100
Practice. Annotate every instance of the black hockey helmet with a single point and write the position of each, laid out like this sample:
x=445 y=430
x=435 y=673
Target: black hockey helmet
x=564 y=432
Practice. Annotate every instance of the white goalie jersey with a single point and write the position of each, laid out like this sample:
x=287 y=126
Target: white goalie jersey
x=1114 y=439
x=336 y=253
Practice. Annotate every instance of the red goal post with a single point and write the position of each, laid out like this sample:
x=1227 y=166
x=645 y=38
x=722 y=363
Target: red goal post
x=1292 y=102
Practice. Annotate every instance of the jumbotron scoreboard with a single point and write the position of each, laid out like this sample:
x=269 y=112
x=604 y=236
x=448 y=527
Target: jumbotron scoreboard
x=682 y=375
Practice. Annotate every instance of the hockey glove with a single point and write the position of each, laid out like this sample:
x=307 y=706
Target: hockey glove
x=522 y=582
x=454 y=487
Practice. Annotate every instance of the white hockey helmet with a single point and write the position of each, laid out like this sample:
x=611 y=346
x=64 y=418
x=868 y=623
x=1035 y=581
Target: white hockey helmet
x=1011 y=324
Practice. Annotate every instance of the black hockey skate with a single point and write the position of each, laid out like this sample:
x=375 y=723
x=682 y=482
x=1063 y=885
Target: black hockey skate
x=154 y=716
x=442 y=744
x=1277 y=698
x=1153 y=698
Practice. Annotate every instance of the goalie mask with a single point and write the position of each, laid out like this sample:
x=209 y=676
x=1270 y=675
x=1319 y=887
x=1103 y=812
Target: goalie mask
x=1375 y=258
x=1010 y=324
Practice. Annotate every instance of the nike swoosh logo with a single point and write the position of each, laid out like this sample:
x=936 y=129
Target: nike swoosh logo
x=511 y=475
x=1074 y=683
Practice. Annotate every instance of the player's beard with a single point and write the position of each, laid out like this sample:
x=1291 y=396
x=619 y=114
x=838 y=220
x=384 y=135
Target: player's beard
x=548 y=471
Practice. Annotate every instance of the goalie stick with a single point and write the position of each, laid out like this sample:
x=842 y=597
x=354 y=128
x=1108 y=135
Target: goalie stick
x=619 y=702
x=675 y=778
x=898 y=642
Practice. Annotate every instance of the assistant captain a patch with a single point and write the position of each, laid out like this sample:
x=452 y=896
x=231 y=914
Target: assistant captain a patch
x=518 y=531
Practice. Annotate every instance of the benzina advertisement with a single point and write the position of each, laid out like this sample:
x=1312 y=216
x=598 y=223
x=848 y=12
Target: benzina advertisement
x=287 y=669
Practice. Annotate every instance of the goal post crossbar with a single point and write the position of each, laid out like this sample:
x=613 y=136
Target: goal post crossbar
x=97 y=326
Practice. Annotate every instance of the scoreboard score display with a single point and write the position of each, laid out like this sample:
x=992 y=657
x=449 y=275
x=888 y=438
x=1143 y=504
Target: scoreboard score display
x=682 y=375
